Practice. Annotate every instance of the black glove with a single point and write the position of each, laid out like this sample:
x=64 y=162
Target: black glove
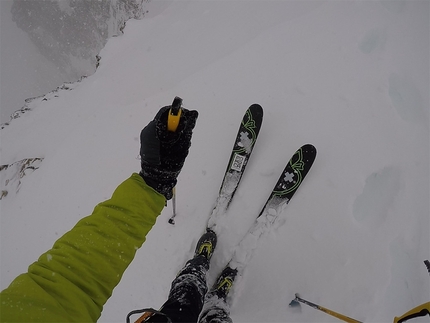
x=163 y=152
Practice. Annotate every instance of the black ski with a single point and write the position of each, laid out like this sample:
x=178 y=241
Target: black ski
x=242 y=149
x=290 y=180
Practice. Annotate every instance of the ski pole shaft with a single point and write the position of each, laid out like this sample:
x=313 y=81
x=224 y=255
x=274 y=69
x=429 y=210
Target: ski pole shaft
x=173 y=119
x=172 y=218
x=174 y=201
x=327 y=311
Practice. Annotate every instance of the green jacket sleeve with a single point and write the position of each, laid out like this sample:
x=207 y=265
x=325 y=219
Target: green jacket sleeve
x=72 y=281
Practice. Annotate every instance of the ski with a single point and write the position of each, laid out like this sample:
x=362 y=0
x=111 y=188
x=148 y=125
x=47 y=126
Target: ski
x=290 y=180
x=239 y=157
x=242 y=149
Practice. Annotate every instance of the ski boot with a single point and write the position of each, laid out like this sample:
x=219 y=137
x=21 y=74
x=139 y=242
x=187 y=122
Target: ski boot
x=206 y=245
x=224 y=283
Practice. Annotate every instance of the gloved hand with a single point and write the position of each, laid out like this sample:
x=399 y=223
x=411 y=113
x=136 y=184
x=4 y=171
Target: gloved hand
x=163 y=152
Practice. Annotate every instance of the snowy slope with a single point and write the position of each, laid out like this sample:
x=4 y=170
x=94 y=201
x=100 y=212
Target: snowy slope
x=352 y=78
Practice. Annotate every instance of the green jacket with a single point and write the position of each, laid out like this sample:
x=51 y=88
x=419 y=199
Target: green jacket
x=72 y=281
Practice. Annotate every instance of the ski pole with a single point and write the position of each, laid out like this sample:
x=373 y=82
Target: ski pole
x=421 y=310
x=173 y=119
x=342 y=317
x=172 y=218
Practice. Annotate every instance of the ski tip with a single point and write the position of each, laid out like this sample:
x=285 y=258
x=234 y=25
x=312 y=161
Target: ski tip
x=256 y=106
x=256 y=110
x=309 y=149
x=427 y=263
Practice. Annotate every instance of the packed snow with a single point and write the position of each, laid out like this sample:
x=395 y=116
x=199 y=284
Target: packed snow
x=350 y=77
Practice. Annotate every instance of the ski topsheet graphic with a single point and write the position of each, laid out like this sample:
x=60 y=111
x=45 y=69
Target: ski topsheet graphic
x=241 y=152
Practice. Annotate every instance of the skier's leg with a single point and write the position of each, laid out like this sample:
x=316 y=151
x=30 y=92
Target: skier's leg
x=188 y=289
x=186 y=295
x=215 y=308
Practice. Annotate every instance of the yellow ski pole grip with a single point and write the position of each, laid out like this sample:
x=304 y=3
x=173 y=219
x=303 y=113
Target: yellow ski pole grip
x=174 y=115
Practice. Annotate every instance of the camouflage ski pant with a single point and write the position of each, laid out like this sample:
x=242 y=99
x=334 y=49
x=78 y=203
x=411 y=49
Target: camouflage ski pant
x=188 y=298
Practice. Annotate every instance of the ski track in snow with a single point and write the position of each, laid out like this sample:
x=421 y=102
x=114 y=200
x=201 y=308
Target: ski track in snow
x=349 y=77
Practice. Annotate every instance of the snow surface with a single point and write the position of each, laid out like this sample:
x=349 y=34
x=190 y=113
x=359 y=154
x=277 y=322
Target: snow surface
x=46 y=43
x=350 y=77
